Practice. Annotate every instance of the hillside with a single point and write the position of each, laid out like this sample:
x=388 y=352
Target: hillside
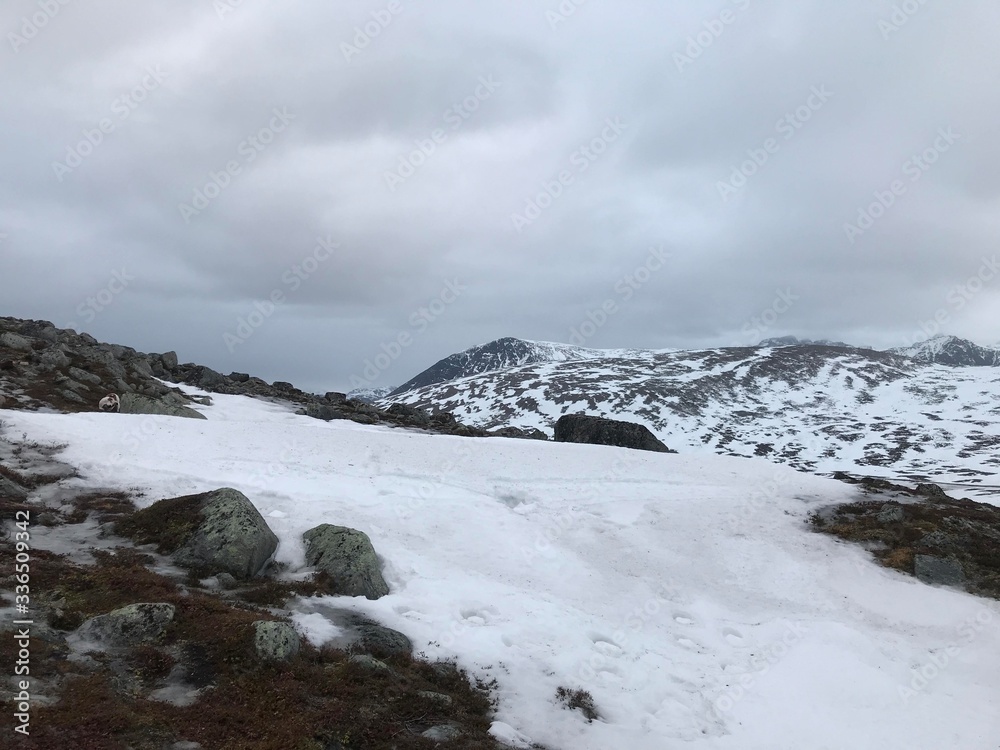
x=813 y=407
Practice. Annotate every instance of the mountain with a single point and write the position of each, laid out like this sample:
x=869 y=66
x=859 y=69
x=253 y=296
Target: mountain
x=794 y=341
x=953 y=351
x=499 y=355
x=817 y=408
x=370 y=395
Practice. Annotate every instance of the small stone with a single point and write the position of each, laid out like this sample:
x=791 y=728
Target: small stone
x=277 y=641
x=443 y=733
x=436 y=697
x=369 y=662
x=130 y=625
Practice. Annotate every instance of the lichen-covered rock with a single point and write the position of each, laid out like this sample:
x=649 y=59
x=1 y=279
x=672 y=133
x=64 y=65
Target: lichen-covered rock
x=275 y=641
x=15 y=342
x=348 y=557
x=133 y=403
x=129 y=626
x=231 y=537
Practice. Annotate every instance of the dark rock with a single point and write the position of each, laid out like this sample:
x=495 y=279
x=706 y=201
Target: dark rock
x=379 y=639
x=891 y=513
x=410 y=414
x=239 y=377
x=938 y=570
x=518 y=432
x=336 y=397
x=281 y=385
x=581 y=428
x=348 y=557
x=324 y=412
x=169 y=360
x=930 y=490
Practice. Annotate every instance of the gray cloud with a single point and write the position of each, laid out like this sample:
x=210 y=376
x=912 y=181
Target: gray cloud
x=696 y=98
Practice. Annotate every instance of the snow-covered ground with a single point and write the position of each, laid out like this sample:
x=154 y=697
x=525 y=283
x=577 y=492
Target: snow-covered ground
x=684 y=592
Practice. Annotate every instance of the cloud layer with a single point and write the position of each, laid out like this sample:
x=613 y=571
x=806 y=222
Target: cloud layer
x=294 y=190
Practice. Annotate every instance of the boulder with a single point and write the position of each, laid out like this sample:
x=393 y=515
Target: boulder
x=227 y=535
x=938 y=570
x=348 y=557
x=11 y=490
x=518 y=432
x=169 y=360
x=129 y=626
x=275 y=641
x=13 y=341
x=581 y=428
x=133 y=403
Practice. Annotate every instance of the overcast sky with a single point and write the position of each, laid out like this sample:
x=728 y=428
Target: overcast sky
x=442 y=174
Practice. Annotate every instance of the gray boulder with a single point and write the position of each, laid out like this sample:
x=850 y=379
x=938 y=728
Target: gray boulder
x=348 y=557
x=581 y=428
x=134 y=403
x=16 y=342
x=169 y=360
x=938 y=571
x=130 y=625
x=324 y=412
x=231 y=536
x=275 y=641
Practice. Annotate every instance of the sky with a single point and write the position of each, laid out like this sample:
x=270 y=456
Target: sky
x=340 y=194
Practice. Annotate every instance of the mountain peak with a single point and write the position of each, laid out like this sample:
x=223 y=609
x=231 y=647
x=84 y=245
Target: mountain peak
x=945 y=349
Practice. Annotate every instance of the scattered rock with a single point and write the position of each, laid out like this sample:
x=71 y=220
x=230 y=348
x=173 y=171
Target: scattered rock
x=349 y=558
x=441 y=698
x=275 y=641
x=129 y=626
x=443 y=733
x=519 y=432
x=938 y=571
x=369 y=662
x=324 y=412
x=410 y=413
x=581 y=428
x=891 y=513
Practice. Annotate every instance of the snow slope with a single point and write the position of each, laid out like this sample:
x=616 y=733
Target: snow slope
x=685 y=592
x=816 y=408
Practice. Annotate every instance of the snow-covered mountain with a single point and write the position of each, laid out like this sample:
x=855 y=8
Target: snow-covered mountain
x=501 y=354
x=817 y=408
x=686 y=594
x=370 y=395
x=951 y=350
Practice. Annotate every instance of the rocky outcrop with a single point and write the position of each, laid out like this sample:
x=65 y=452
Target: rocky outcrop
x=134 y=403
x=581 y=428
x=349 y=559
x=213 y=532
x=922 y=531
x=131 y=625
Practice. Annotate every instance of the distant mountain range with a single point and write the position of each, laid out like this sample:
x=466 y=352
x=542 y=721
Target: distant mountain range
x=819 y=406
